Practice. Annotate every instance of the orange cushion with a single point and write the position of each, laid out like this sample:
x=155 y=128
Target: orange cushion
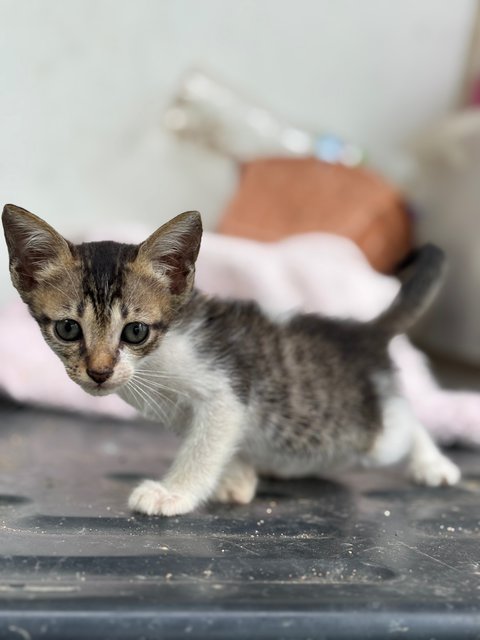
x=278 y=197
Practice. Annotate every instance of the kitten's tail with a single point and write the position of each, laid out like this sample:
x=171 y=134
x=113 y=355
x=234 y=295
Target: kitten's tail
x=424 y=269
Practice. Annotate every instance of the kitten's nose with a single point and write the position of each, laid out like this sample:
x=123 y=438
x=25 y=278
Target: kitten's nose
x=99 y=375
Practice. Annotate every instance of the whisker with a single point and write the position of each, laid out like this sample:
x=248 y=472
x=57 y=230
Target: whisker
x=140 y=397
x=155 y=408
x=151 y=384
x=158 y=374
x=133 y=392
x=155 y=385
x=156 y=388
x=157 y=411
x=148 y=391
x=161 y=382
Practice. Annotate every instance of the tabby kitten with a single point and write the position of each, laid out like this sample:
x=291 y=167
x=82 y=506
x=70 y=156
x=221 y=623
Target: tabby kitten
x=254 y=395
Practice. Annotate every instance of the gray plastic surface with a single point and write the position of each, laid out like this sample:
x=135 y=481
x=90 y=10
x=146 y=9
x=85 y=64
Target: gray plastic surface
x=369 y=556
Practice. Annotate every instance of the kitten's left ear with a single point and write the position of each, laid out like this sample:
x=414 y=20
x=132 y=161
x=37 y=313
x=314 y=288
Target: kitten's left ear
x=32 y=246
x=173 y=250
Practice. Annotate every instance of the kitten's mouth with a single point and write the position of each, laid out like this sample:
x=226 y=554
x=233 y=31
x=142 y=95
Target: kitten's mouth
x=102 y=389
x=105 y=388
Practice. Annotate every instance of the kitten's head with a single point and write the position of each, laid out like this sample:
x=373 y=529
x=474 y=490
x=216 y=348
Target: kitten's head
x=102 y=306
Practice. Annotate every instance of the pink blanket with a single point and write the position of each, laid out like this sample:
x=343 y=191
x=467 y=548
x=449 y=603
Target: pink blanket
x=313 y=272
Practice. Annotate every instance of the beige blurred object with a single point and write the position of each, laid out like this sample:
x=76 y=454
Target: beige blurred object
x=446 y=194
x=208 y=112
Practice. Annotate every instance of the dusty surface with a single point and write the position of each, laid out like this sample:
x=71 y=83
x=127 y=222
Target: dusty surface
x=369 y=556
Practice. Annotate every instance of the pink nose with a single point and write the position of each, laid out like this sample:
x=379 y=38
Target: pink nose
x=99 y=375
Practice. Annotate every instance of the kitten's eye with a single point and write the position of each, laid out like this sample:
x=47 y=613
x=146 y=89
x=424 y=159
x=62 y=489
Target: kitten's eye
x=68 y=330
x=135 y=332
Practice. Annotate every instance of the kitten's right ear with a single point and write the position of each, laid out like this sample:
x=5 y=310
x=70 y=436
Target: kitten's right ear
x=32 y=246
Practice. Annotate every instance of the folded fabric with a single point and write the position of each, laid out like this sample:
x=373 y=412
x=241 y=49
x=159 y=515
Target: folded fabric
x=313 y=272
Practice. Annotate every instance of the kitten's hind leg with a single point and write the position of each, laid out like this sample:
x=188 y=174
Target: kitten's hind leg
x=426 y=463
x=203 y=455
x=403 y=436
x=237 y=484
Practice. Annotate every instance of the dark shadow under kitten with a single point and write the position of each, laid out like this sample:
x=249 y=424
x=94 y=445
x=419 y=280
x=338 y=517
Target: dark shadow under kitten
x=289 y=397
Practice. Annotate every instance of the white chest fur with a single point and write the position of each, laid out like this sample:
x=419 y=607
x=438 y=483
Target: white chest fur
x=171 y=380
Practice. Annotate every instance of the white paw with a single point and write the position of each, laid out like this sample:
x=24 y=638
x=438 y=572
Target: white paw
x=154 y=499
x=434 y=472
x=238 y=488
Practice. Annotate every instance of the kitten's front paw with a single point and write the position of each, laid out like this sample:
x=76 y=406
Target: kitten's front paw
x=435 y=472
x=154 y=499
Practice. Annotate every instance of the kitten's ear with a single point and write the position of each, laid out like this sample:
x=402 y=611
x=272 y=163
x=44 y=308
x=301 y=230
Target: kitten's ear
x=173 y=250
x=32 y=246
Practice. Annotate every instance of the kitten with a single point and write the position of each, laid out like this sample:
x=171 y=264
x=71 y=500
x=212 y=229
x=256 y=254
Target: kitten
x=289 y=397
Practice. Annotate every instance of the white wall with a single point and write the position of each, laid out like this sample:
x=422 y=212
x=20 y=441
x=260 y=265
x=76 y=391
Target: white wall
x=83 y=84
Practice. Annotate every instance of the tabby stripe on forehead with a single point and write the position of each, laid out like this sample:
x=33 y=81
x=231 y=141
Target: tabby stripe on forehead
x=104 y=268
